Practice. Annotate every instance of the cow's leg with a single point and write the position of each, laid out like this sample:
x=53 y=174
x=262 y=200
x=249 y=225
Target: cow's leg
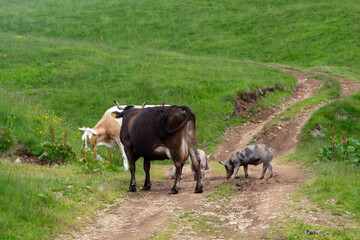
x=178 y=167
x=246 y=170
x=173 y=172
x=263 y=170
x=178 y=182
x=132 y=160
x=147 y=184
x=194 y=157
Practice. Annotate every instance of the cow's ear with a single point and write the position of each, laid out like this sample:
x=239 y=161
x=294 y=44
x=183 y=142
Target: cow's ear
x=128 y=107
x=82 y=129
x=117 y=114
x=221 y=163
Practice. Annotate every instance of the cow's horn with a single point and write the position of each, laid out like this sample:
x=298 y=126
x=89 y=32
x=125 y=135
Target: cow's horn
x=143 y=105
x=221 y=163
x=118 y=105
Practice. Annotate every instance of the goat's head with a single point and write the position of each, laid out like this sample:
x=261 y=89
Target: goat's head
x=88 y=135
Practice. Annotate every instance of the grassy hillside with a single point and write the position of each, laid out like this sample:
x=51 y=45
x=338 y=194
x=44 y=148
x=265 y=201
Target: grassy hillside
x=78 y=82
x=63 y=62
x=316 y=34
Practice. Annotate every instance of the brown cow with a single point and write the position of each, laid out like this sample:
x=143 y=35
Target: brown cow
x=158 y=133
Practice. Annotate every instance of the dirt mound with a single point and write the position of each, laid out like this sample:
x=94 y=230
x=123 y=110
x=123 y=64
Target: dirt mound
x=246 y=102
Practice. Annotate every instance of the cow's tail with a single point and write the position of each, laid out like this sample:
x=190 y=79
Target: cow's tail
x=193 y=152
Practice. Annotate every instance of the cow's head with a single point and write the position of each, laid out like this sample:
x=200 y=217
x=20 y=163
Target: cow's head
x=89 y=135
x=228 y=167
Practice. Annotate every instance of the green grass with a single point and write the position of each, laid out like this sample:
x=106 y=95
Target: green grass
x=30 y=209
x=320 y=34
x=223 y=192
x=297 y=229
x=64 y=62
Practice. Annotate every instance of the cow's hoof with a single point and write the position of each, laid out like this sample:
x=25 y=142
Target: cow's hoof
x=198 y=190
x=146 y=188
x=173 y=191
x=132 y=189
x=261 y=178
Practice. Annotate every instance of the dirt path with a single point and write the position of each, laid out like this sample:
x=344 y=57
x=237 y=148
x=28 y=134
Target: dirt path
x=248 y=213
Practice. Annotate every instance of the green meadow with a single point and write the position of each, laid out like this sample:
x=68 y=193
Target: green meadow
x=62 y=63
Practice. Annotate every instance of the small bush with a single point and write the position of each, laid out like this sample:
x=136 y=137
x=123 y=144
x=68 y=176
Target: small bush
x=56 y=150
x=6 y=140
x=341 y=150
x=90 y=164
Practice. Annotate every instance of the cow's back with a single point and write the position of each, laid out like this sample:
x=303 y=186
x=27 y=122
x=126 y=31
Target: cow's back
x=151 y=128
x=145 y=131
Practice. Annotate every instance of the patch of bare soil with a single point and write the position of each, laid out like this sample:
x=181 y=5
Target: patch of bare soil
x=23 y=156
x=245 y=215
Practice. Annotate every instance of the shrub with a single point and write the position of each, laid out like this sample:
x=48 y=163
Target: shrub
x=56 y=150
x=341 y=150
x=90 y=164
x=6 y=140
